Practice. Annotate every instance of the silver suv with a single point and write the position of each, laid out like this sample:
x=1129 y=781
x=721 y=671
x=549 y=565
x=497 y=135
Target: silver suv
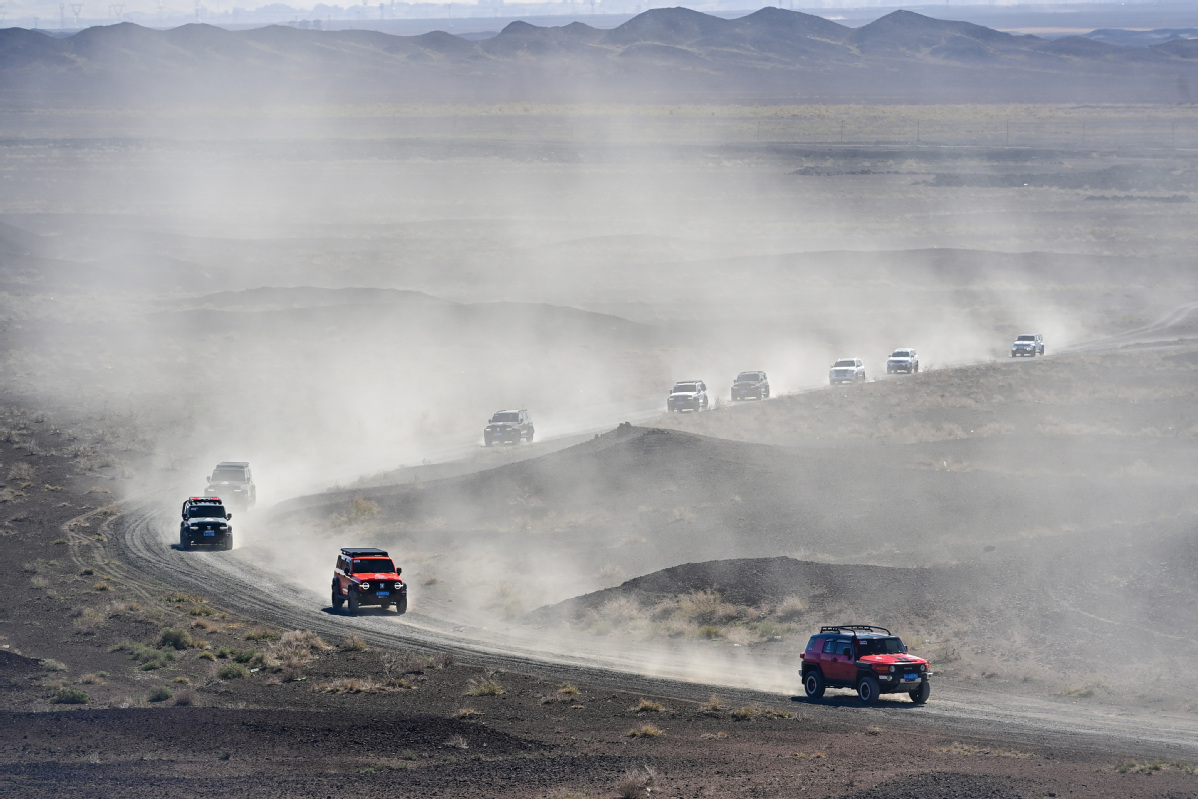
x=233 y=482
x=847 y=370
x=903 y=360
x=510 y=427
x=1028 y=345
x=687 y=395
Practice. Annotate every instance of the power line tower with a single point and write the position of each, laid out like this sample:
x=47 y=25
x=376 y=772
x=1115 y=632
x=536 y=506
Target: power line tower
x=3 y=13
x=62 y=17
x=198 y=10
x=115 y=10
x=75 y=9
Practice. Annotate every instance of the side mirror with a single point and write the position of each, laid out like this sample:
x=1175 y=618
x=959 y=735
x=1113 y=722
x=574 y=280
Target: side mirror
x=208 y=478
x=228 y=516
x=398 y=570
x=904 y=649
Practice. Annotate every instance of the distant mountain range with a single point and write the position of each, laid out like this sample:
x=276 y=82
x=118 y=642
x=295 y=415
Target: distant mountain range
x=663 y=55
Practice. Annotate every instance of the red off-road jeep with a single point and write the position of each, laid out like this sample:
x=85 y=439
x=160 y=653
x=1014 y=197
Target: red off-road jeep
x=368 y=576
x=867 y=659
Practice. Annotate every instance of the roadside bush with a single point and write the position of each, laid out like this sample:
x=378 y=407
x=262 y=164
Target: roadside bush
x=69 y=696
x=160 y=694
x=186 y=697
x=232 y=671
x=646 y=731
x=50 y=664
x=174 y=637
x=355 y=643
x=648 y=706
x=636 y=783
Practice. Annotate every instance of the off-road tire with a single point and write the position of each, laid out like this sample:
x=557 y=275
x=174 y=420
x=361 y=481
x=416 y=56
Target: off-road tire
x=401 y=606
x=867 y=689
x=228 y=544
x=921 y=694
x=353 y=604
x=487 y=442
x=338 y=600
x=184 y=544
x=532 y=432
x=813 y=684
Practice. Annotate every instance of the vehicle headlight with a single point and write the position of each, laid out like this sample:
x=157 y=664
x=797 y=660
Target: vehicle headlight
x=923 y=667
x=892 y=669
x=224 y=527
x=363 y=586
x=194 y=526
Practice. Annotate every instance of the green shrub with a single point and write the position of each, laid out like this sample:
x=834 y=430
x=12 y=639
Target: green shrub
x=160 y=694
x=232 y=671
x=70 y=696
x=174 y=637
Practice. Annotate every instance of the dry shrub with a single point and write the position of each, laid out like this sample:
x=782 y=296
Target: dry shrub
x=186 y=698
x=457 y=742
x=469 y=713
x=205 y=625
x=712 y=706
x=355 y=643
x=708 y=736
x=648 y=706
x=792 y=608
x=567 y=689
x=91 y=679
x=351 y=685
x=261 y=635
x=636 y=783
x=646 y=731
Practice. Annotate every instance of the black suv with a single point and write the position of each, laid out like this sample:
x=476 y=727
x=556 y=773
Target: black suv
x=233 y=482
x=750 y=384
x=508 y=427
x=368 y=576
x=867 y=659
x=205 y=523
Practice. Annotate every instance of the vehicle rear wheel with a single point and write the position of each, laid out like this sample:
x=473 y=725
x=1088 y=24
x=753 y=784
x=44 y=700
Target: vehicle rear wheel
x=867 y=689
x=184 y=544
x=813 y=684
x=402 y=605
x=338 y=600
x=921 y=694
x=353 y=604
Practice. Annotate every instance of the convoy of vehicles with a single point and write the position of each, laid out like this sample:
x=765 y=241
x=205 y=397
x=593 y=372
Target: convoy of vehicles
x=863 y=658
x=368 y=576
x=687 y=395
x=508 y=427
x=205 y=523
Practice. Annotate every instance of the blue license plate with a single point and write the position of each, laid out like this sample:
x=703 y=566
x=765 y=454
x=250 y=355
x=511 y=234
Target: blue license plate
x=383 y=593
x=209 y=532
x=910 y=678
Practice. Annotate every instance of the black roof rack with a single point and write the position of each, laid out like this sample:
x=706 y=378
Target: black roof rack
x=853 y=628
x=359 y=552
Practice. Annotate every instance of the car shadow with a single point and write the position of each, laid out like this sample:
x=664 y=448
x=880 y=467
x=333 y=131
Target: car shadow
x=885 y=701
x=368 y=611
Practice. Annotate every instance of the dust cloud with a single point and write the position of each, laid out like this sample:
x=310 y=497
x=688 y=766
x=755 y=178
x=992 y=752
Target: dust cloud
x=317 y=289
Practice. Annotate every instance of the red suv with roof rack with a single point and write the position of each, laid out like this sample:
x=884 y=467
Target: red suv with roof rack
x=368 y=576
x=867 y=659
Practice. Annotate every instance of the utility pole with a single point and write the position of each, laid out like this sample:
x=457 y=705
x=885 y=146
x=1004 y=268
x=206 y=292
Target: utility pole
x=75 y=9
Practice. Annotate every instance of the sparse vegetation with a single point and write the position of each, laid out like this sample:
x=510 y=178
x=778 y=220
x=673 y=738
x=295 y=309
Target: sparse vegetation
x=355 y=643
x=232 y=671
x=69 y=696
x=174 y=637
x=648 y=706
x=160 y=694
x=646 y=731
x=636 y=783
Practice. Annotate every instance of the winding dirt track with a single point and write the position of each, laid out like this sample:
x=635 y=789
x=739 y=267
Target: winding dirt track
x=142 y=535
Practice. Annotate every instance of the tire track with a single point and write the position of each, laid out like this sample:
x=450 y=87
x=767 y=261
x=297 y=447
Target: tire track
x=234 y=582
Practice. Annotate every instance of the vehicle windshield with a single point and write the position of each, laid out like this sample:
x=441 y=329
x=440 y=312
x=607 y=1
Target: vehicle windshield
x=506 y=417
x=901 y=354
x=686 y=388
x=206 y=511
x=844 y=363
x=373 y=566
x=228 y=476
x=748 y=377
x=1026 y=338
x=879 y=646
